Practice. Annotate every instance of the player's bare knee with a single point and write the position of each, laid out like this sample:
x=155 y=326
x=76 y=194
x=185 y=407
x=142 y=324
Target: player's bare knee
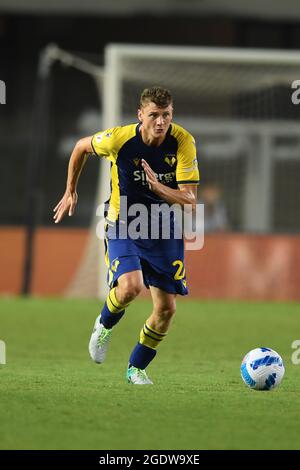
x=129 y=295
x=129 y=289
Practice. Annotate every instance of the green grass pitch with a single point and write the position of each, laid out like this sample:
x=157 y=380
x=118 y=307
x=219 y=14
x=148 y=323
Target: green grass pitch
x=52 y=396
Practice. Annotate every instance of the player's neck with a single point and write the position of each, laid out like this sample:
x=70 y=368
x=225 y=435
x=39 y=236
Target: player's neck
x=148 y=139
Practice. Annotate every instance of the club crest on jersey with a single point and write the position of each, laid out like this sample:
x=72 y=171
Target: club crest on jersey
x=170 y=160
x=114 y=265
x=136 y=161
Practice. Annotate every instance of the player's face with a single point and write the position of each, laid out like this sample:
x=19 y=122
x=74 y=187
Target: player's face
x=155 y=121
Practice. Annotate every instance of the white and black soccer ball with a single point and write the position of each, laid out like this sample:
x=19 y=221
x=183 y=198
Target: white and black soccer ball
x=262 y=369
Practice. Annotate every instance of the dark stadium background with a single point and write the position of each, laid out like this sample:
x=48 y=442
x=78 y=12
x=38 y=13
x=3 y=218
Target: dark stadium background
x=25 y=32
x=51 y=395
x=23 y=36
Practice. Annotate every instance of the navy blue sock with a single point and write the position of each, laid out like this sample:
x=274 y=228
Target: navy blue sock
x=141 y=356
x=109 y=319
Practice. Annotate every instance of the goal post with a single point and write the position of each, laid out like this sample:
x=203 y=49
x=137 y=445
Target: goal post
x=234 y=86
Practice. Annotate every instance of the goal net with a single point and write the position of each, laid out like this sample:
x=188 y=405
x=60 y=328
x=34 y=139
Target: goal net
x=237 y=104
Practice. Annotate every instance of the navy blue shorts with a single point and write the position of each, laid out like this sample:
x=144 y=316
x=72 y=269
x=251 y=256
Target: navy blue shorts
x=161 y=262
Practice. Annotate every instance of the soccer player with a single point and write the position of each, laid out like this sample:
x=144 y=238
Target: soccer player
x=153 y=162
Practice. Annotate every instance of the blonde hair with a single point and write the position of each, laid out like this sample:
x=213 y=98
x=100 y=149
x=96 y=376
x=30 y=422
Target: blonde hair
x=156 y=94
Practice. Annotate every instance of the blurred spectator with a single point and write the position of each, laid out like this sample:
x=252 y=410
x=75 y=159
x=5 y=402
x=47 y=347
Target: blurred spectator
x=215 y=214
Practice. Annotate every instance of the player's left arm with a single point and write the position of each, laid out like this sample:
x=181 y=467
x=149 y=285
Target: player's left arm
x=186 y=194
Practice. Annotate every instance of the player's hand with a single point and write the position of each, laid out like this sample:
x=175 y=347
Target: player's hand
x=150 y=176
x=66 y=204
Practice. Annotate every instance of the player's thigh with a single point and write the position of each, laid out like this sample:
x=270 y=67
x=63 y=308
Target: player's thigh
x=163 y=301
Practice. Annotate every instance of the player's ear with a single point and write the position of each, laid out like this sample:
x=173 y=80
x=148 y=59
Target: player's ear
x=140 y=115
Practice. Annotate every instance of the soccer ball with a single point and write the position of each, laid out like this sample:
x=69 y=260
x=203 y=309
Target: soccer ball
x=262 y=369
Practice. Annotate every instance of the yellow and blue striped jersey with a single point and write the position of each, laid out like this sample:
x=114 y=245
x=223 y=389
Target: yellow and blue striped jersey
x=174 y=162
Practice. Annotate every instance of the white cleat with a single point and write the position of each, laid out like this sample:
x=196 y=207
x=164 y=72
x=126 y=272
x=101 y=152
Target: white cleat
x=99 y=341
x=137 y=376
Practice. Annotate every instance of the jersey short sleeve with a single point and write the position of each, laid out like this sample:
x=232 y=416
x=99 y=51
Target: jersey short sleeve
x=105 y=144
x=187 y=165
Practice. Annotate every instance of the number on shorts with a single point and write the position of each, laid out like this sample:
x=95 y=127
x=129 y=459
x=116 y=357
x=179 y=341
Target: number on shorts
x=180 y=273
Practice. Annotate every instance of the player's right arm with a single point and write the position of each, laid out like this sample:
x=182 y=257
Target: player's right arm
x=77 y=160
